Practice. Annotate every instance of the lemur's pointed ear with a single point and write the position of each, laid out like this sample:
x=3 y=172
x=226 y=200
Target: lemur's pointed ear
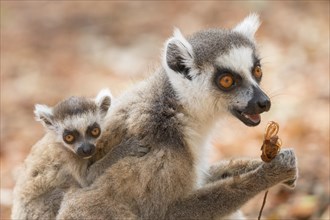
x=44 y=114
x=103 y=101
x=178 y=55
x=248 y=26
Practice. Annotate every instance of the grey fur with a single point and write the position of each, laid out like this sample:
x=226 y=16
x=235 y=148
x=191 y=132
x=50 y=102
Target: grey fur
x=74 y=106
x=210 y=44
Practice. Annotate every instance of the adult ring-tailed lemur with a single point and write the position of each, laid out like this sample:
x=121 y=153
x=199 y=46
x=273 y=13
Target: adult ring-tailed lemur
x=204 y=77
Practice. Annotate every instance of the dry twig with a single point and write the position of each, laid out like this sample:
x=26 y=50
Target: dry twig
x=263 y=205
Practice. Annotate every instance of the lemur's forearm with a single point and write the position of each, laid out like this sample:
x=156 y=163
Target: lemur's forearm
x=236 y=167
x=221 y=198
x=231 y=168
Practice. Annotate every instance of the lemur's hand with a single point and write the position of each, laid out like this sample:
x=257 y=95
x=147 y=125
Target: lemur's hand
x=136 y=148
x=139 y=150
x=282 y=169
x=291 y=183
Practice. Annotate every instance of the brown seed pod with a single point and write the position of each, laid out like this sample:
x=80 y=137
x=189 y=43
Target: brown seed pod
x=272 y=143
x=270 y=148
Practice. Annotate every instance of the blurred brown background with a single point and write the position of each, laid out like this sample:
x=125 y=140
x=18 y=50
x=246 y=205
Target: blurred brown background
x=52 y=50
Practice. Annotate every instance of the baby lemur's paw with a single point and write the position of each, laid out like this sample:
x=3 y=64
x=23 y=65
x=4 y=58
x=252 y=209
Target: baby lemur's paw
x=283 y=168
x=136 y=148
x=140 y=150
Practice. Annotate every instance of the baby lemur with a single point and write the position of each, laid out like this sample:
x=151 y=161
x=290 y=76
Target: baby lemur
x=62 y=159
x=204 y=77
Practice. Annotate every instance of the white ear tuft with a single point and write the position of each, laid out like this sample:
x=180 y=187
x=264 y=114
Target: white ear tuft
x=178 y=55
x=104 y=92
x=103 y=100
x=249 y=26
x=44 y=114
x=178 y=35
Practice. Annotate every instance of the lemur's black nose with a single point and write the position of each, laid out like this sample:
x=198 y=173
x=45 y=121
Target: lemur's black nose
x=264 y=104
x=259 y=102
x=86 y=149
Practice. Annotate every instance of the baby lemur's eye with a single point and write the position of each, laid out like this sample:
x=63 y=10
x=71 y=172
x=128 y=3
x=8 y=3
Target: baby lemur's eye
x=226 y=81
x=69 y=138
x=95 y=132
x=257 y=72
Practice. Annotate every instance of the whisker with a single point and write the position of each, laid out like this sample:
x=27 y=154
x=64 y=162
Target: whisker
x=265 y=62
x=278 y=95
x=275 y=92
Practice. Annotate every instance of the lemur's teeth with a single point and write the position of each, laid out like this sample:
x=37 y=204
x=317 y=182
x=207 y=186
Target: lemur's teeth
x=253 y=117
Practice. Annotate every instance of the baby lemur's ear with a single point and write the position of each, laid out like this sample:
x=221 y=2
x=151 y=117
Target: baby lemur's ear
x=44 y=114
x=103 y=101
x=248 y=26
x=178 y=55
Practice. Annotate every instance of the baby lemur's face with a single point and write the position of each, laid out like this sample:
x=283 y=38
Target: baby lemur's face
x=219 y=70
x=80 y=133
x=76 y=121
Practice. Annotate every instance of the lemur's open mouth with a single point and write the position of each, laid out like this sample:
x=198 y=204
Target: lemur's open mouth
x=250 y=114
x=246 y=118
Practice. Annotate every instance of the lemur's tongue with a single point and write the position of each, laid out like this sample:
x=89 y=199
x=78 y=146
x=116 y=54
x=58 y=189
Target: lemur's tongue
x=255 y=118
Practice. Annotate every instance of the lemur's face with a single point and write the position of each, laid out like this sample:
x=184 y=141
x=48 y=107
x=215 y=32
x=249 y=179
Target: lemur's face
x=219 y=70
x=76 y=122
x=236 y=79
x=80 y=133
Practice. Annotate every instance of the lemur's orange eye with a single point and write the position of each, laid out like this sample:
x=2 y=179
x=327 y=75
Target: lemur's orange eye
x=69 y=138
x=95 y=132
x=257 y=72
x=226 y=81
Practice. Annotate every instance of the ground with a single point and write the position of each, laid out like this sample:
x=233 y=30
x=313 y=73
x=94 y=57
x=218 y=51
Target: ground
x=52 y=50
